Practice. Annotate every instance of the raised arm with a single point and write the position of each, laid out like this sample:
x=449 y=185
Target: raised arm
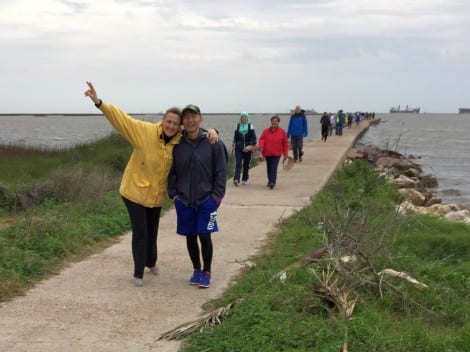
x=128 y=127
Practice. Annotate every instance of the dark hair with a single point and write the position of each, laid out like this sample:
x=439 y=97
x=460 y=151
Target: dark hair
x=275 y=117
x=174 y=110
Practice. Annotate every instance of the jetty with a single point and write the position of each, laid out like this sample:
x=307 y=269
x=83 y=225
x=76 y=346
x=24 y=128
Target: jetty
x=92 y=305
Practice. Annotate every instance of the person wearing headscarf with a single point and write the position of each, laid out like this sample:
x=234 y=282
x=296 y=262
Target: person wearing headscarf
x=243 y=137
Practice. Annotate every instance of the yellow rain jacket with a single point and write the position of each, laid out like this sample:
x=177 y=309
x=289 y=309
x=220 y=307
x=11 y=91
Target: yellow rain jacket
x=145 y=178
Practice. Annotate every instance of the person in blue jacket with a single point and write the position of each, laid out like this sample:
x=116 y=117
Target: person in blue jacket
x=197 y=184
x=244 y=136
x=296 y=131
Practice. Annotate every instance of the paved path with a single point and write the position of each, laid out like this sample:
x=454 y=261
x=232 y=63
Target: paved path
x=93 y=306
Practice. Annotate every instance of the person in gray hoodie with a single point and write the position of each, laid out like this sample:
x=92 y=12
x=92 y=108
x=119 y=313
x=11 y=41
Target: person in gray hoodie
x=197 y=184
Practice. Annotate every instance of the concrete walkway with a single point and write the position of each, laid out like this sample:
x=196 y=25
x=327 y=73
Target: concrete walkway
x=93 y=306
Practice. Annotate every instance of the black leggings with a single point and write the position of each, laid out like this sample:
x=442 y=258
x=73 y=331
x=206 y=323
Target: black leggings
x=144 y=222
x=206 y=250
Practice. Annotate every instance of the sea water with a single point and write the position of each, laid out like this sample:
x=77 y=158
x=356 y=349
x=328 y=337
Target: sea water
x=439 y=143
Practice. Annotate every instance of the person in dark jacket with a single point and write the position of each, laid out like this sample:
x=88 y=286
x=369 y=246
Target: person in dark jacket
x=325 y=126
x=197 y=185
x=144 y=183
x=244 y=136
x=296 y=131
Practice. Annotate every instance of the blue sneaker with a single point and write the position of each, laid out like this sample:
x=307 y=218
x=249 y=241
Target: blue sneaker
x=196 y=278
x=205 y=281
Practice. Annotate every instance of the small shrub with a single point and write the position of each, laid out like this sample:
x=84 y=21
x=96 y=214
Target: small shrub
x=68 y=185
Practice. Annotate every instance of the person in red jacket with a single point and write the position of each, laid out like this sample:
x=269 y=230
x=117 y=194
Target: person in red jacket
x=273 y=144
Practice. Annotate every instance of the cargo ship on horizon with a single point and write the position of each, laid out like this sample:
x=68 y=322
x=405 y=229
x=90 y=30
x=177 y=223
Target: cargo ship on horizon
x=464 y=110
x=406 y=110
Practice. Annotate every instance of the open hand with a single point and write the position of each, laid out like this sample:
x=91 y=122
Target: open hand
x=212 y=135
x=91 y=93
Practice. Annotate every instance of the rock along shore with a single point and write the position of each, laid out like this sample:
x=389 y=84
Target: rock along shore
x=417 y=188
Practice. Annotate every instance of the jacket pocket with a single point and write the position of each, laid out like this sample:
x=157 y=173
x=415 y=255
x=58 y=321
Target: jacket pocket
x=141 y=182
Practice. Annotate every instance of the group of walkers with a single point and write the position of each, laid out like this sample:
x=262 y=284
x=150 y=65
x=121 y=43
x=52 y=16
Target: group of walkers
x=273 y=144
x=176 y=158
x=336 y=122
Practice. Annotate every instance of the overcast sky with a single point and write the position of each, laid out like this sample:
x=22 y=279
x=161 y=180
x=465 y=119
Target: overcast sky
x=229 y=56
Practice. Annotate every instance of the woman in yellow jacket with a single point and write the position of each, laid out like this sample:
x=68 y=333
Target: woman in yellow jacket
x=145 y=179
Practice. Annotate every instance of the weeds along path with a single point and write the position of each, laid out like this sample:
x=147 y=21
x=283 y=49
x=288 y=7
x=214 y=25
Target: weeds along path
x=94 y=306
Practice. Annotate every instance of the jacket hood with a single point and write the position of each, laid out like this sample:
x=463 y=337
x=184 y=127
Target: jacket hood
x=244 y=113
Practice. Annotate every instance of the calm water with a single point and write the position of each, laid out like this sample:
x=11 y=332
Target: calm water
x=56 y=131
x=439 y=142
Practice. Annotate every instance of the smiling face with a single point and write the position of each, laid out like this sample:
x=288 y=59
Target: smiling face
x=275 y=122
x=171 y=124
x=191 y=123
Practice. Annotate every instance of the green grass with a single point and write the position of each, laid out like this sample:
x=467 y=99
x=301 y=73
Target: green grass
x=288 y=316
x=42 y=241
x=28 y=165
x=273 y=315
x=61 y=207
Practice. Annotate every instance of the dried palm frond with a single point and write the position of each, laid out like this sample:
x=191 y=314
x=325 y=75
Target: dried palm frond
x=208 y=320
x=340 y=297
x=403 y=275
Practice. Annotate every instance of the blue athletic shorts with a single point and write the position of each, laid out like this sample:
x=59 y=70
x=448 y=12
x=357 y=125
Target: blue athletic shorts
x=193 y=221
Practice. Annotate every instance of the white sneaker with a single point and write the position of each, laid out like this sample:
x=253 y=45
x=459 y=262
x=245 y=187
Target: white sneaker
x=244 y=182
x=155 y=270
x=138 y=282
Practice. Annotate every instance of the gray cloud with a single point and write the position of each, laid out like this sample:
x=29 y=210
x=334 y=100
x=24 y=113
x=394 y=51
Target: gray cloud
x=76 y=6
x=246 y=51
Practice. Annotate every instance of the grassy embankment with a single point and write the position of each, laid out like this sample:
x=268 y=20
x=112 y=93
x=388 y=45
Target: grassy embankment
x=57 y=207
x=64 y=206
x=311 y=311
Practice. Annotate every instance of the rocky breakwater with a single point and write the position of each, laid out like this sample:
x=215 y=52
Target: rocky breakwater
x=408 y=177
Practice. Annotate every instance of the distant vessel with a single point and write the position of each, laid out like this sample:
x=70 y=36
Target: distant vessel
x=407 y=110
x=306 y=111
x=464 y=110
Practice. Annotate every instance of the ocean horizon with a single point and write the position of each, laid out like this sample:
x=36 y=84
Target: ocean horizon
x=437 y=142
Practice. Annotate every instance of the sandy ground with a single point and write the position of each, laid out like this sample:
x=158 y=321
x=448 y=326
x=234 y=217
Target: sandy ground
x=94 y=306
